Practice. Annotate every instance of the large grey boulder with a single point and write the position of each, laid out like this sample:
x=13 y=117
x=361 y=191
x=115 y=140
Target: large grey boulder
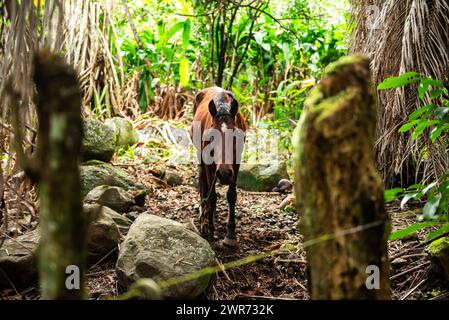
x=98 y=141
x=110 y=196
x=18 y=260
x=124 y=133
x=163 y=249
x=261 y=177
x=18 y=255
x=95 y=173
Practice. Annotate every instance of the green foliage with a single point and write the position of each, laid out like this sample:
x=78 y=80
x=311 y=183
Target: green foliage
x=400 y=234
x=434 y=116
x=282 y=53
x=433 y=120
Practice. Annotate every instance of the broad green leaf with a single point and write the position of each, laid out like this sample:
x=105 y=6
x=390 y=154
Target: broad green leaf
x=441 y=112
x=423 y=126
x=184 y=72
x=444 y=187
x=436 y=133
x=415 y=187
x=431 y=207
x=266 y=46
x=439 y=232
x=161 y=29
x=407 y=198
x=428 y=187
x=410 y=230
x=422 y=112
x=186 y=34
x=422 y=89
x=435 y=83
x=406 y=127
x=436 y=93
x=168 y=52
x=390 y=195
x=174 y=30
x=397 y=82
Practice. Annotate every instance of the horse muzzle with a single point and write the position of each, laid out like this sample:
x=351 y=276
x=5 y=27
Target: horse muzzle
x=225 y=176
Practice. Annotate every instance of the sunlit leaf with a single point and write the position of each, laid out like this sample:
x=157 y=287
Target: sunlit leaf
x=390 y=195
x=184 y=72
x=409 y=125
x=266 y=46
x=423 y=126
x=439 y=232
x=436 y=93
x=407 y=198
x=174 y=30
x=431 y=207
x=441 y=112
x=400 y=234
x=186 y=33
x=397 y=82
x=422 y=112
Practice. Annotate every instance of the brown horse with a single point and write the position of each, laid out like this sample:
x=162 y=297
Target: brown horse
x=218 y=135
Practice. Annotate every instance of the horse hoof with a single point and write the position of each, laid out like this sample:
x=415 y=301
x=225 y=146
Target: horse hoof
x=230 y=242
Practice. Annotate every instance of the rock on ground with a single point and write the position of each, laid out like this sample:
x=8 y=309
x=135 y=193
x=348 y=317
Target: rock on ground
x=124 y=133
x=103 y=233
x=261 y=177
x=110 y=196
x=98 y=141
x=18 y=260
x=96 y=173
x=172 y=178
x=18 y=256
x=438 y=252
x=123 y=223
x=163 y=249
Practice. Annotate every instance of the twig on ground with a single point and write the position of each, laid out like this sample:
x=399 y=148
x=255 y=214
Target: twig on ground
x=409 y=270
x=413 y=289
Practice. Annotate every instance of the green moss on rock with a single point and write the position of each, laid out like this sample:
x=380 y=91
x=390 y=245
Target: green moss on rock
x=98 y=141
x=438 y=252
x=95 y=173
x=261 y=177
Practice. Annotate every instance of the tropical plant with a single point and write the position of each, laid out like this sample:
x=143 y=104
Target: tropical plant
x=432 y=122
x=402 y=36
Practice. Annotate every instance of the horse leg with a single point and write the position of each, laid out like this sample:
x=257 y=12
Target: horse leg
x=203 y=186
x=211 y=212
x=208 y=202
x=230 y=239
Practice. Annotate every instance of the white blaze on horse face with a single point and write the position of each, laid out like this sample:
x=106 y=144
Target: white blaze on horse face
x=224 y=127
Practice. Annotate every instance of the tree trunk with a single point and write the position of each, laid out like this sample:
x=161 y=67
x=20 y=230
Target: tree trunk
x=339 y=190
x=62 y=222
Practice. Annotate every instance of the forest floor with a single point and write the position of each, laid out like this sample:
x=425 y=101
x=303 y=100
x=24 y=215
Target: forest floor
x=261 y=227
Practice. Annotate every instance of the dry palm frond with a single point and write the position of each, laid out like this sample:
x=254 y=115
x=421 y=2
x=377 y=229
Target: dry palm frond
x=82 y=31
x=171 y=102
x=401 y=36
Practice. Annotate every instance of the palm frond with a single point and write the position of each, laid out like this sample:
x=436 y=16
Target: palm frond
x=401 y=36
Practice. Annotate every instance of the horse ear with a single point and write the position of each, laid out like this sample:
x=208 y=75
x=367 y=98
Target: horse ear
x=212 y=108
x=198 y=98
x=234 y=107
